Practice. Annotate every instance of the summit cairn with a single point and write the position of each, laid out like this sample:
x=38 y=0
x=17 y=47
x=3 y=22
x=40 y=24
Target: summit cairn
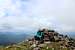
x=52 y=39
x=46 y=35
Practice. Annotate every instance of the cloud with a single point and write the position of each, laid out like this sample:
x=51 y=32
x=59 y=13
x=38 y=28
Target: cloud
x=24 y=15
x=62 y=12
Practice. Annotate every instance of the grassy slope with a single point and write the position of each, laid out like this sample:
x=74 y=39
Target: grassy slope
x=26 y=46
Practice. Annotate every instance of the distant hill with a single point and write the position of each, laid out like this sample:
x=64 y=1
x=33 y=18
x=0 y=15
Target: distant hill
x=11 y=37
x=71 y=34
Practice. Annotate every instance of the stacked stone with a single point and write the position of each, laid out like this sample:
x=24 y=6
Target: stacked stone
x=49 y=35
x=53 y=36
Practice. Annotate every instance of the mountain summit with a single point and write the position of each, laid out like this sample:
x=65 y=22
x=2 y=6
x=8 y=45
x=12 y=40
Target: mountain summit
x=45 y=39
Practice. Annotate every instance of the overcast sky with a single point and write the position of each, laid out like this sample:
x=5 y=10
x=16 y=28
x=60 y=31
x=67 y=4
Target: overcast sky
x=24 y=15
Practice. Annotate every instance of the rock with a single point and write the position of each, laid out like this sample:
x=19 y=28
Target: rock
x=34 y=45
x=36 y=48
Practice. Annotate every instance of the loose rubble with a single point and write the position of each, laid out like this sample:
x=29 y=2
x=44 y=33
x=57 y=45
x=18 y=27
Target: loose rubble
x=46 y=36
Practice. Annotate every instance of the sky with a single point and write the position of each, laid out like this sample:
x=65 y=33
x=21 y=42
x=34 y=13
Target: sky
x=30 y=15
